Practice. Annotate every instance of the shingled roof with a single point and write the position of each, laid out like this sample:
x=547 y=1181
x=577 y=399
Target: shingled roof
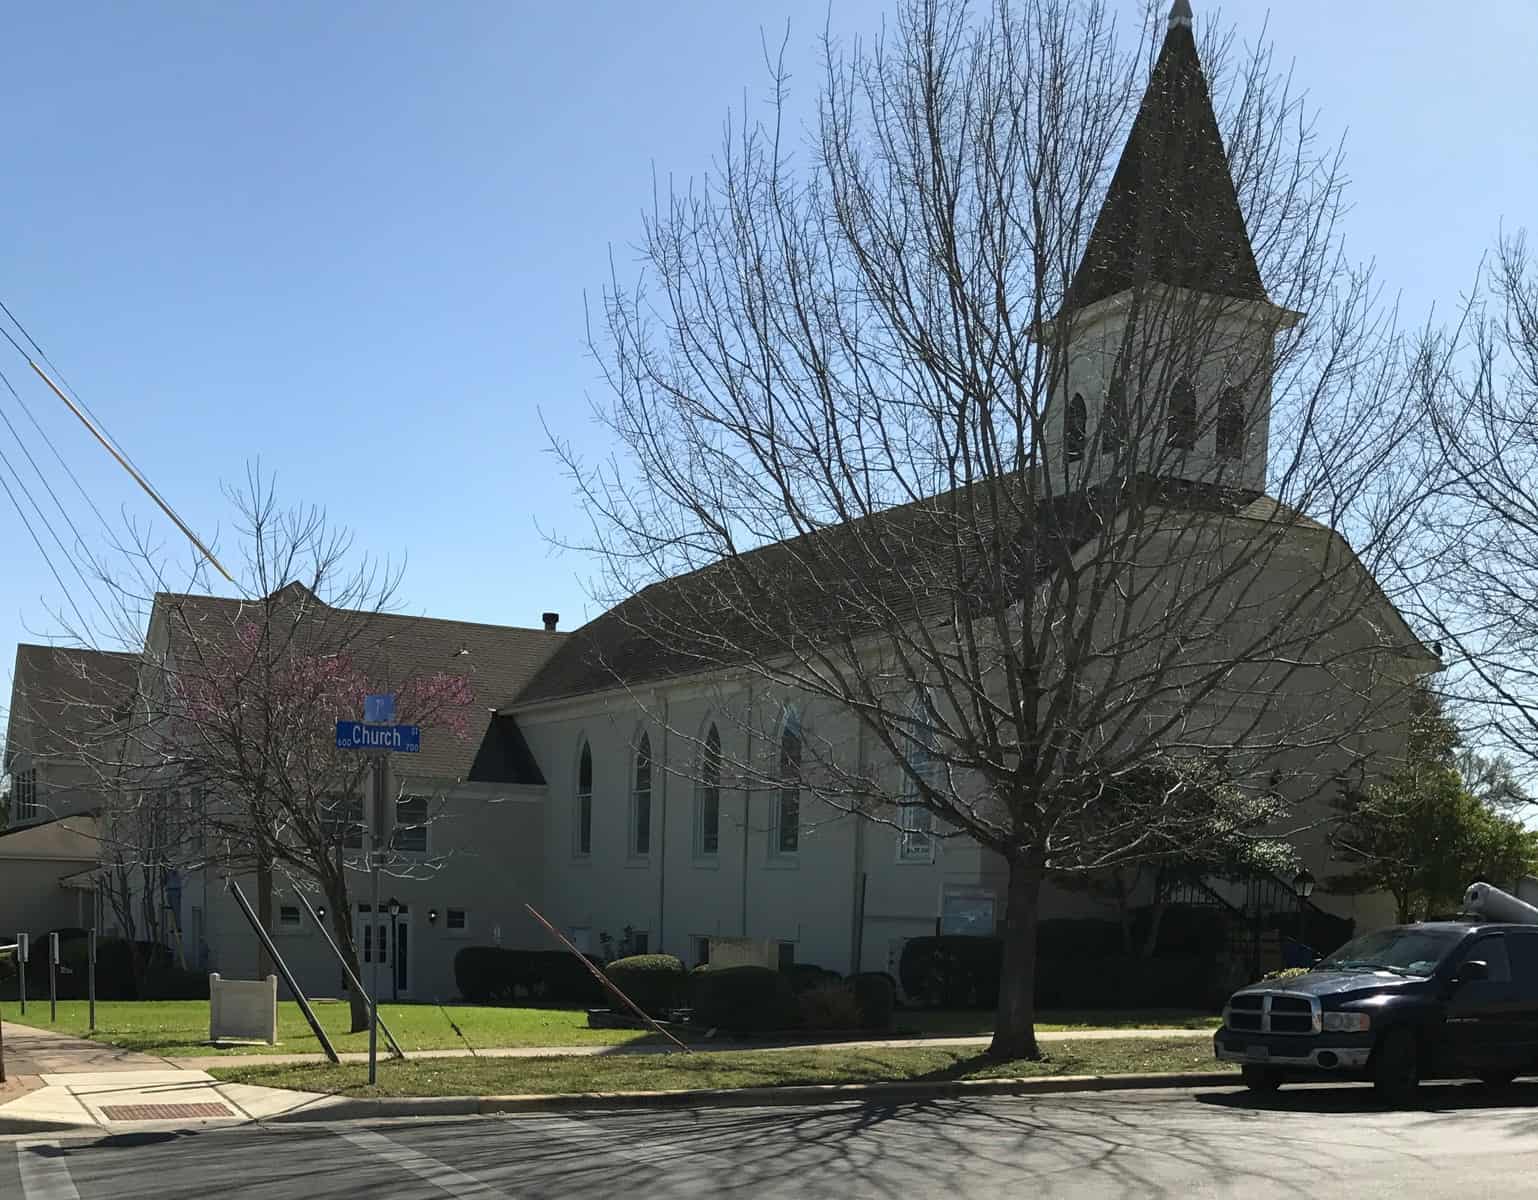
x=1171 y=214
x=497 y=660
x=63 y=697
x=837 y=582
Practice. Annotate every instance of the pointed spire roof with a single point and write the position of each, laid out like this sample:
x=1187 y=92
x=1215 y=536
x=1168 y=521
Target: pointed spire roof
x=1171 y=214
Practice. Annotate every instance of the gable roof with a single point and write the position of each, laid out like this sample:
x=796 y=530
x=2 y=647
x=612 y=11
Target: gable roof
x=1171 y=214
x=62 y=696
x=841 y=580
x=496 y=660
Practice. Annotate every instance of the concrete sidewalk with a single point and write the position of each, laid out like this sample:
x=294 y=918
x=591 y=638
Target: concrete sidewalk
x=64 y=1084
x=205 y=1062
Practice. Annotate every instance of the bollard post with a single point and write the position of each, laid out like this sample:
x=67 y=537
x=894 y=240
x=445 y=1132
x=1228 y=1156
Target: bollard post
x=53 y=978
x=90 y=975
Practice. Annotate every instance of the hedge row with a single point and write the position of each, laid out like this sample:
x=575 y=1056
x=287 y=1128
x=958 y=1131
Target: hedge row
x=656 y=983
x=963 y=972
x=492 y=975
x=762 y=1000
x=158 y=977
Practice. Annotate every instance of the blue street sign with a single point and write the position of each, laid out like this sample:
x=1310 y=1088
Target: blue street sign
x=359 y=735
x=379 y=710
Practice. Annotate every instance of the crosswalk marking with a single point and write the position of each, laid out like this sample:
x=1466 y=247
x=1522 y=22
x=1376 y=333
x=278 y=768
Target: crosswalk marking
x=44 y=1173
x=424 y=1166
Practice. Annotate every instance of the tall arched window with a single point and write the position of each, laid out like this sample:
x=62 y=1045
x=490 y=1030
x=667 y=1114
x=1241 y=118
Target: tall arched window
x=1075 y=424
x=787 y=824
x=1113 y=416
x=641 y=799
x=1230 y=431
x=916 y=840
x=707 y=818
x=1182 y=415
x=585 y=800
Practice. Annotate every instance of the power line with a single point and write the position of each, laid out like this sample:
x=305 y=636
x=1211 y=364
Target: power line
x=36 y=541
x=111 y=449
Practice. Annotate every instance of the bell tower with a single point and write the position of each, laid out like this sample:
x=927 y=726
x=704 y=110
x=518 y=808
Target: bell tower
x=1164 y=342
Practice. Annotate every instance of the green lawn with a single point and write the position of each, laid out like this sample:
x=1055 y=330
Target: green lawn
x=180 y=1027
x=947 y=1022
x=744 y=1069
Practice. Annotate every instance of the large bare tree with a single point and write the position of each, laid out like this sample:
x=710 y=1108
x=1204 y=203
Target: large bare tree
x=1030 y=460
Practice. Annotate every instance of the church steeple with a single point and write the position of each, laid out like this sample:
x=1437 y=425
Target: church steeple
x=1171 y=215
x=1168 y=335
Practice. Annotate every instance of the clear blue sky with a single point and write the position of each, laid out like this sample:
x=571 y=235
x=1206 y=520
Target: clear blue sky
x=353 y=238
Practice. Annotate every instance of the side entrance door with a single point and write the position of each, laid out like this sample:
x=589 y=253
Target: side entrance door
x=388 y=937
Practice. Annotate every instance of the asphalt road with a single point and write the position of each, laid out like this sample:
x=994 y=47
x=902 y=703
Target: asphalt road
x=1462 y=1141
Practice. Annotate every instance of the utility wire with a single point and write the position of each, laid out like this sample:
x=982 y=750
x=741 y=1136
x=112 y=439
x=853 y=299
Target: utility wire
x=81 y=549
x=36 y=541
x=118 y=455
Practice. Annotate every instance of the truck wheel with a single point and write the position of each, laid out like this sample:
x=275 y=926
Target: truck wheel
x=1260 y=1079
x=1396 y=1066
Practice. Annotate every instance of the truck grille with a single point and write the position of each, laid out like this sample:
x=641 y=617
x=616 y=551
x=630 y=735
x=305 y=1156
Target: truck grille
x=1272 y=1012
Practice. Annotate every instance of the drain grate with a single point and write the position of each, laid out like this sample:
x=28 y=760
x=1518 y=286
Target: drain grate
x=162 y=1112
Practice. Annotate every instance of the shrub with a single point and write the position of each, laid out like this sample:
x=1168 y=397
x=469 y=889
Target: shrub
x=742 y=999
x=656 y=982
x=875 y=996
x=492 y=975
x=803 y=977
x=952 y=970
x=829 y=1005
x=1120 y=981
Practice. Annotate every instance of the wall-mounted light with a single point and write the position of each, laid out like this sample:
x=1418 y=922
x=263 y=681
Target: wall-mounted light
x=320 y=913
x=432 y=916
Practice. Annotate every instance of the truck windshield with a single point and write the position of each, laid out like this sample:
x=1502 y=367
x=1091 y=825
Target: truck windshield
x=1403 y=950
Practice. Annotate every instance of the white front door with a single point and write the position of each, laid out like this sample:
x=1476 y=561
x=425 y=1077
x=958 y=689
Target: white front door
x=394 y=951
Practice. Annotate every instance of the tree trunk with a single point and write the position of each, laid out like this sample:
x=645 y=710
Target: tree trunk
x=1014 y=1029
x=342 y=931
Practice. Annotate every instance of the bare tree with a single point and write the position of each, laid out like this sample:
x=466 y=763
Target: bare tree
x=1473 y=560
x=229 y=758
x=951 y=422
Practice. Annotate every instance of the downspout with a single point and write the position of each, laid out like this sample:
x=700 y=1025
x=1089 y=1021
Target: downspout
x=662 y=840
x=747 y=808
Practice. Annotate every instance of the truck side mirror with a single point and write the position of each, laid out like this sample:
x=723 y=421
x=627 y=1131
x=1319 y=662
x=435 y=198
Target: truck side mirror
x=1473 y=970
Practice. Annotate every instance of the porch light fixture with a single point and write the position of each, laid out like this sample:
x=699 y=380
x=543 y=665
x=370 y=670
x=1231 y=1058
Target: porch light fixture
x=432 y=916
x=393 y=907
x=1303 y=883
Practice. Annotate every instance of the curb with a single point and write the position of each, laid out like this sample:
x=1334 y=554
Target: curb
x=355 y=1109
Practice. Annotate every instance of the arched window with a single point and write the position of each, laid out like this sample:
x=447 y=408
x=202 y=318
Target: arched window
x=916 y=840
x=1182 y=415
x=1075 y=423
x=641 y=800
x=585 y=800
x=707 y=801
x=1230 y=431
x=1113 y=416
x=787 y=823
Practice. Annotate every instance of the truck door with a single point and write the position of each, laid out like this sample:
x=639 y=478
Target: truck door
x=1522 y=948
x=1482 y=1014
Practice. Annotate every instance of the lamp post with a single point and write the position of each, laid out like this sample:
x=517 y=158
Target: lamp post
x=394 y=907
x=1303 y=885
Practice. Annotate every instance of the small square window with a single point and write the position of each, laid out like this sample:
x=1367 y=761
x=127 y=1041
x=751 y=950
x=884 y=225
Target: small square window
x=640 y=942
x=456 y=918
x=288 y=916
x=787 y=954
x=701 y=950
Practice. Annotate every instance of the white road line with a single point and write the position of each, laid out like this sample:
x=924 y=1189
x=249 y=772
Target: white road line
x=44 y=1176
x=424 y=1166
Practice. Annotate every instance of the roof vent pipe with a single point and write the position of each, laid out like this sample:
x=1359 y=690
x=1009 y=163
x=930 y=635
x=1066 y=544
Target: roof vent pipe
x=551 y=621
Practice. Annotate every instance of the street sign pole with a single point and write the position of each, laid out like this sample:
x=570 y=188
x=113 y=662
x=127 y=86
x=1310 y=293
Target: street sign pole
x=378 y=826
x=23 y=955
x=53 y=978
x=91 y=975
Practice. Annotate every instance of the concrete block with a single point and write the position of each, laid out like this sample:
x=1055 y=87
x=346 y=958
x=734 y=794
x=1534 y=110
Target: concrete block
x=244 y=1010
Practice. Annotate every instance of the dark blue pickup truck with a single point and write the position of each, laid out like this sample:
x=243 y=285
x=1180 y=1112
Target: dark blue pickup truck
x=1442 y=999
